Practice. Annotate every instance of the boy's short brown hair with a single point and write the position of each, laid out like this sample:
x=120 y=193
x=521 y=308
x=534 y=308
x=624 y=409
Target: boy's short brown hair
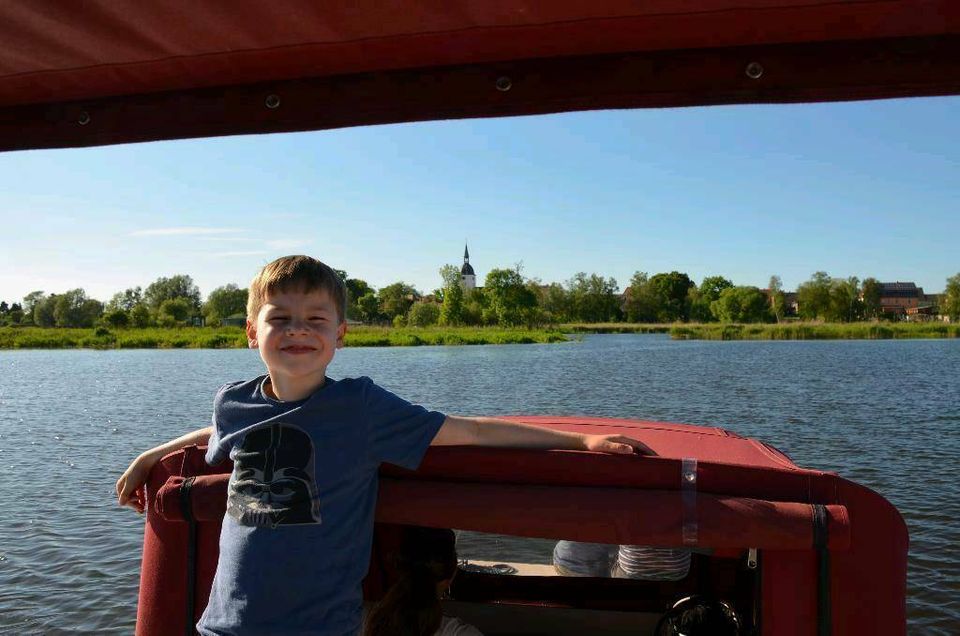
x=300 y=273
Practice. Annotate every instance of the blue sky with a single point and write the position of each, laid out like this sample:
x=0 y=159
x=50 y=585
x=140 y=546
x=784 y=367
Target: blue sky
x=855 y=189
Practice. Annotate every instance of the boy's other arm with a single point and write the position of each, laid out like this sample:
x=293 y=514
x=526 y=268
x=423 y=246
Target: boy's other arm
x=130 y=484
x=487 y=431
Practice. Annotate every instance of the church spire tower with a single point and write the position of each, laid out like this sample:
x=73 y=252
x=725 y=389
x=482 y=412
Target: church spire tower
x=468 y=280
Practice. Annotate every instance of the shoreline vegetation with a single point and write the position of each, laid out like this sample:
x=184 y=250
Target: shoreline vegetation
x=817 y=331
x=369 y=336
x=235 y=338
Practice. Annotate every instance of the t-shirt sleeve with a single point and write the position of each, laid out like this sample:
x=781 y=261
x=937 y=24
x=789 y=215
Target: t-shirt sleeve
x=400 y=432
x=450 y=626
x=217 y=451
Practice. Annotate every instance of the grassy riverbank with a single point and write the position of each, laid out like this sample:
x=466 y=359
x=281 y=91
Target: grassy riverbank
x=363 y=336
x=814 y=331
x=615 y=327
x=234 y=337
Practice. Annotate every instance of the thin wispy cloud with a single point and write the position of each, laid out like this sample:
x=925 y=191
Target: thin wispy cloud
x=230 y=239
x=230 y=254
x=186 y=231
x=286 y=244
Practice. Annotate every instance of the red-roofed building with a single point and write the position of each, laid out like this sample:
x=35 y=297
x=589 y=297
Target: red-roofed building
x=897 y=298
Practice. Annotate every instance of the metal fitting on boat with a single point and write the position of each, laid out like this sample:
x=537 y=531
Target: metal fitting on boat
x=84 y=118
x=504 y=84
x=689 y=530
x=272 y=101
x=754 y=70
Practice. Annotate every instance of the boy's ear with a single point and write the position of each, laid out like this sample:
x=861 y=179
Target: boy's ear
x=251 y=334
x=341 y=332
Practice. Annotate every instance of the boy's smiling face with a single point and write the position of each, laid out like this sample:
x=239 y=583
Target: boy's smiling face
x=297 y=334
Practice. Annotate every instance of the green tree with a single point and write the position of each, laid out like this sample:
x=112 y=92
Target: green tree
x=116 y=318
x=423 y=314
x=475 y=307
x=845 y=305
x=639 y=299
x=671 y=292
x=450 y=275
x=356 y=289
x=593 y=298
x=813 y=296
x=950 y=306
x=451 y=312
x=73 y=309
x=179 y=286
x=554 y=302
x=396 y=299
x=15 y=315
x=174 y=312
x=368 y=308
x=30 y=302
x=509 y=299
x=126 y=300
x=140 y=316
x=43 y=311
x=701 y=298
x=778 y=299
x=870 y=293
x=224 y=302
x=741 y=304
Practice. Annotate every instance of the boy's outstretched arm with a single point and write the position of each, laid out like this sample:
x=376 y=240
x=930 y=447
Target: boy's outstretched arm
x=487 y=431
x=130 y=484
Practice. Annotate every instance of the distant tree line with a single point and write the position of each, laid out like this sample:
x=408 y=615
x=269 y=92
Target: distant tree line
x=506 y=299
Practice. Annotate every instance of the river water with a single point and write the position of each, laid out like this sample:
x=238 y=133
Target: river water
x=883 y=413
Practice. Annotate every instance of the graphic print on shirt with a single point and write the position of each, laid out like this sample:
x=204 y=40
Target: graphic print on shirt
x=273 y=480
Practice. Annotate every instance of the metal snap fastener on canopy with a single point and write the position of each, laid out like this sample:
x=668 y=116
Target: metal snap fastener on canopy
x=84 y=118
x=272 y=101
x=754 y=70
x=504 y=84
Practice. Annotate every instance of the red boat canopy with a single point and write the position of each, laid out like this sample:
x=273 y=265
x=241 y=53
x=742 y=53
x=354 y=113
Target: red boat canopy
x=102 y=72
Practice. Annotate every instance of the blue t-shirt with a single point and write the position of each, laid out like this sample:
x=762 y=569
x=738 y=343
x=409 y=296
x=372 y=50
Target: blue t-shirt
x=296 y=537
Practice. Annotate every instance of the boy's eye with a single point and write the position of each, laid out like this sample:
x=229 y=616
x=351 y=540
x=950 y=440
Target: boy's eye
x=318 y=317
x=276 y=318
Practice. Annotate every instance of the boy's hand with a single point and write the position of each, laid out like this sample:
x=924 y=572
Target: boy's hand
x=616 y=444
x=130 y=485
x=130 y=491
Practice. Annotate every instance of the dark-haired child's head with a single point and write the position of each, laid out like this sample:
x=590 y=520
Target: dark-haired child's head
x=426 y=563
x=699 y=616
x=431 y=551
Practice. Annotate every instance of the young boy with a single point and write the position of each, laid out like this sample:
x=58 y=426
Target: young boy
x=296 y=538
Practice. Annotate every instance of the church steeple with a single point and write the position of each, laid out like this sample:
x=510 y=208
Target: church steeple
x=468 y=279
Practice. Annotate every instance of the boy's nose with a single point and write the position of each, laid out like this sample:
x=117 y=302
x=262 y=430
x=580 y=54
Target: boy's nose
x=295 y=326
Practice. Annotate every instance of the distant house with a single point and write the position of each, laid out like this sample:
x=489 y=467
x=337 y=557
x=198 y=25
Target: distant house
x=921 y=313
x=791 y=307
x=897 y=298
x=235 y=320
x=790 y=304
